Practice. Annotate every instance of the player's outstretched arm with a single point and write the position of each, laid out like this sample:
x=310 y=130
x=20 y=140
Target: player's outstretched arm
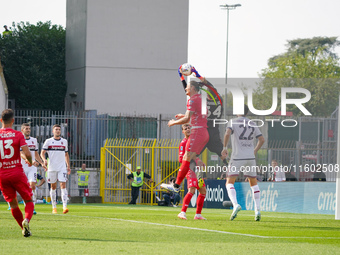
x=193 y=70
x=179 y=116
x=181 y=121
x=209 y=85
x=184 y=83
x=212 y=89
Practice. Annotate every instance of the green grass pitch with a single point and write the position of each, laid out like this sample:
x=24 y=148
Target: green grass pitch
x=127 y=229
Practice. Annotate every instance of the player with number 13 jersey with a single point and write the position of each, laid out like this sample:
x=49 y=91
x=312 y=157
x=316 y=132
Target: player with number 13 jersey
x=12 y=176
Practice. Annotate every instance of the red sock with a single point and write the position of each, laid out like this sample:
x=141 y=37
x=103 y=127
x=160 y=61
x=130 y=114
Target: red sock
x=17 y=214
x=200 y=203
x=183 y=171
x=186 y=201
x=29 y=210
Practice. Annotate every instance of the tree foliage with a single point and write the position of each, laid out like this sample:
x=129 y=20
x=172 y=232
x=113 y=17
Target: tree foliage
x=309 y=64
x=34 y=65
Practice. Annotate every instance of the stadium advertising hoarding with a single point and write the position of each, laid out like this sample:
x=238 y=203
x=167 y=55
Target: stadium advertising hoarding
x=293 y=197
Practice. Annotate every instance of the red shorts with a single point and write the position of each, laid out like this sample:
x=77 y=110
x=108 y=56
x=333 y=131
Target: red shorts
x=199 y=137
x=13 y=183
x=192 y=180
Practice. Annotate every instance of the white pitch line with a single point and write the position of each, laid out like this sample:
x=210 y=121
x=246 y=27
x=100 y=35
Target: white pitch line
x=200 y=229
x=244 y=212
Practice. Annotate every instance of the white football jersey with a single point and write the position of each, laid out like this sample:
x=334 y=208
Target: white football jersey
x=33 y=147
x=56 y=153
x=244 y=131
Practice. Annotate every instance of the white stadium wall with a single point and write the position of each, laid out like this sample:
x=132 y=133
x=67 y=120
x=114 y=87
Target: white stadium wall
x=122 y=56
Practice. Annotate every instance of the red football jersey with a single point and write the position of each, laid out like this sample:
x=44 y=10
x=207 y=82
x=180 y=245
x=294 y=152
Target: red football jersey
x=181 y=150
x=195 y=105
x=10 y=143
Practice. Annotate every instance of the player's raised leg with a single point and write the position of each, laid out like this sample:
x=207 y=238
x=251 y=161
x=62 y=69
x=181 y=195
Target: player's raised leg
x=199 y=135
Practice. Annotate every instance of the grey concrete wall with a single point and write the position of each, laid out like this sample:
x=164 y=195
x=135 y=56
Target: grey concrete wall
x=2 y=97
x=3 y=91
x=75 y=52
x=133 y=50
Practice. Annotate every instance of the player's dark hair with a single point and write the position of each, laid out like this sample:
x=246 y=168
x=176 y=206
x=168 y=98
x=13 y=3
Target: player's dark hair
x=246 y=110
x=56 y=125
x=7 y=115
x=25 y=125
x=196 y=85
x=185 y=125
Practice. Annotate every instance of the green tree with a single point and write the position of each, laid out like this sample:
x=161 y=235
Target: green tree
x=309 y=64
x=34 y=65
x=312 y=45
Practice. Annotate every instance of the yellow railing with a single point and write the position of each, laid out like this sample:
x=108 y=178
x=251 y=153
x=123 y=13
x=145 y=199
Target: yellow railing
x=120 y=157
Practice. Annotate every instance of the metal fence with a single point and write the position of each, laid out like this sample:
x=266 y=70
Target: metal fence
x=87 y=132
x=306 y=159
x=73 y=190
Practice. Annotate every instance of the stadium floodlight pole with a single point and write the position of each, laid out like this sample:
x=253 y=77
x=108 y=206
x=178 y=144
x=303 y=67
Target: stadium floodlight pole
x=227 y=7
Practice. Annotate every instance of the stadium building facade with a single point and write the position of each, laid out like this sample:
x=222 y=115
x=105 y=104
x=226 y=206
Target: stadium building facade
x=122 y=56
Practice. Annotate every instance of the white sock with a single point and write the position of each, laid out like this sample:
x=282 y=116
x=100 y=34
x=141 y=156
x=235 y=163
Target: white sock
x=256 y=196
x=34 y=197
x=64 y=197
x=53 y=194
x=8 y=204
x=232 y=193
